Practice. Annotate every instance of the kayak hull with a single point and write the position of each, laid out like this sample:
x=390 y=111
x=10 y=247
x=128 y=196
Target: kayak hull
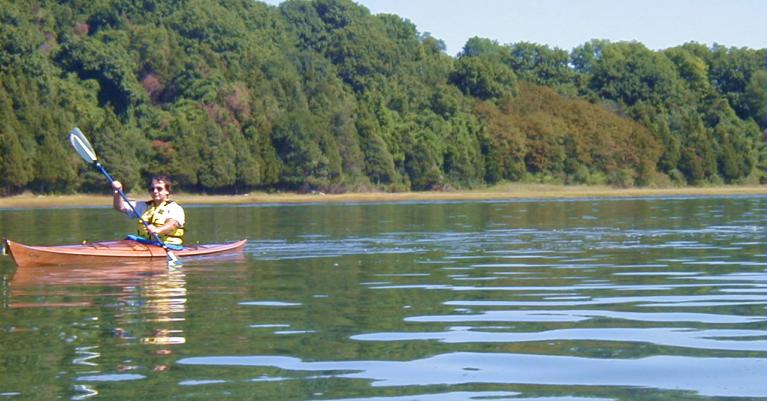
x=107 y=252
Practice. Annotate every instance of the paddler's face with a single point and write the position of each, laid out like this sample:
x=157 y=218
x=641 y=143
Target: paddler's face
x=158 y=191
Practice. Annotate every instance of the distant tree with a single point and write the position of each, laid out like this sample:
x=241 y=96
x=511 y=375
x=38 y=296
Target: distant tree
x=379 y=164
x=482 y=78
x=54 y=171
x=236 y=95
x=217 y=171
x=301 y=156
x=732 y=71
x=541 y=65
x=15 y=162
x=628 y=72
x=15 y=165
x=755 y=97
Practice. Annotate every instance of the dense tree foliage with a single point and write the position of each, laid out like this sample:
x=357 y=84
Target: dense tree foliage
x=235 y=95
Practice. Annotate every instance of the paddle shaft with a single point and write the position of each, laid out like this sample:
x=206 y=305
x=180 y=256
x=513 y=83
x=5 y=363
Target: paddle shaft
x=141 y=219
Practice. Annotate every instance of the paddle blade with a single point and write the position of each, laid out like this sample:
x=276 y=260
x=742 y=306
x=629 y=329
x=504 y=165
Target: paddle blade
x=82 y=146
x=173 y=260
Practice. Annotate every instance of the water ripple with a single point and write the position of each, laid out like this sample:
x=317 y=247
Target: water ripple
x=725 y=377
x=729 y=340
x=583 y=315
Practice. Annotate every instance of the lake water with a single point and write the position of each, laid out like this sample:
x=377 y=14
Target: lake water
x=537 y=300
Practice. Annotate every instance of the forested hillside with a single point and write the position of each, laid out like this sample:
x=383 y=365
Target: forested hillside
x=230 y=96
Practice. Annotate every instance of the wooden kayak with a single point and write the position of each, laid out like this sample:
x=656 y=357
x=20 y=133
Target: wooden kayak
x=107 y=252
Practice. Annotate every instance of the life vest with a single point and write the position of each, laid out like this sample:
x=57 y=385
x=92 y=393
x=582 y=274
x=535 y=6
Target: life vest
x=156 y=216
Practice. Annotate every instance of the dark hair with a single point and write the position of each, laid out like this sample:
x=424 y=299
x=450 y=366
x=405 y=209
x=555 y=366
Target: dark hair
x=165 y=180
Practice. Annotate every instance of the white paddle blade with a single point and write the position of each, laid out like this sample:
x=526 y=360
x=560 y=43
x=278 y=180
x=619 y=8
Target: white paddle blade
x=81 y=145
x=173 y=260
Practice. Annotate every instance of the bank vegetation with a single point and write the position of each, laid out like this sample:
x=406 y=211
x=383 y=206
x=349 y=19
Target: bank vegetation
x=237 y=97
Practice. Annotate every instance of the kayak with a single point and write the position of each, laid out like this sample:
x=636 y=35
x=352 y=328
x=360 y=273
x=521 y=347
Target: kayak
x=107 y=252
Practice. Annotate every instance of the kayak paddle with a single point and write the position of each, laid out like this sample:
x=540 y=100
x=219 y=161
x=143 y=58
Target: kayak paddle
x=85 y=150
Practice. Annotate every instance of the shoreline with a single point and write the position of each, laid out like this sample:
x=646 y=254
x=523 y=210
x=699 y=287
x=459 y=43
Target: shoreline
x=503 y=192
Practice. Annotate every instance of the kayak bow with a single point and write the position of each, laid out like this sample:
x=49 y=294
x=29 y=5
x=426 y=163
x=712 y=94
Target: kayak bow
x=106 y=252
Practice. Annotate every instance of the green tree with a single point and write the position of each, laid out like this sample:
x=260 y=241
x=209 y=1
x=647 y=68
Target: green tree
x=54 y=170
x=15 y=165
x=755 y=97
x=542 y=65
x=732 y=71
x=482 y=78
x=217 y=171
x=15 y=161
x=379 y=163
x=235 y=95
x=629 y=72
x=117 y=147
x=302 y=160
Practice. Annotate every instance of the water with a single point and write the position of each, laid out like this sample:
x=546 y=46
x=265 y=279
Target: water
x=633 y=299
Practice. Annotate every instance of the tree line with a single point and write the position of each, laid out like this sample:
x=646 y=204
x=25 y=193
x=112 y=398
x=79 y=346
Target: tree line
x=229 y=96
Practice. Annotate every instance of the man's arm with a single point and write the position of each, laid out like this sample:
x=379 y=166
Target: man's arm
x=118 y=203
x=167 y=228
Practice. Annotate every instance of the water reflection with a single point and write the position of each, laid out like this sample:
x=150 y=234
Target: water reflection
x=147 y=304
x=53 y=281
x=599 y=301
x=725 y=377
x=731 y=340
x=551 y=300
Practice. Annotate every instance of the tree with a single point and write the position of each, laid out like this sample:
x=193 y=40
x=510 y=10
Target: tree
x=15 y=163
x=230 y=96
x=300 y=153
x=482 y=78
x=755 y=97
x=541 y=65
x=54 y=170
x=629 y=72
x=732 y=71
x=421 y=164
x=379 y=163
x=698 y=158
x=217 y=171
x=15 y=166
x=692 y=69
x=117 y=147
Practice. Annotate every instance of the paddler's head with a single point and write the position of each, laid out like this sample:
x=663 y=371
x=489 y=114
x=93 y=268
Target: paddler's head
x=159 y=189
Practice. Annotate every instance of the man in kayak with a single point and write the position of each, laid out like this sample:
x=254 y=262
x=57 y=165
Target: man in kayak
x=164 y=216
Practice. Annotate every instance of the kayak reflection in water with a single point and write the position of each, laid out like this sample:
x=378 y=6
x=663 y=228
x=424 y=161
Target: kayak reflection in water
x=164 y=216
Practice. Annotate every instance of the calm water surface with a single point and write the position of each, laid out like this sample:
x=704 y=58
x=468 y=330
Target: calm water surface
x=633 y=299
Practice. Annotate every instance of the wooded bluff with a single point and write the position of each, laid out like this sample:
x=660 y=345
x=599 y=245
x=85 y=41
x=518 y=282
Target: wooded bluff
x=228 y=96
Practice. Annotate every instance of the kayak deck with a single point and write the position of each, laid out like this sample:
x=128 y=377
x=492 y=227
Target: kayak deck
x=106 y=252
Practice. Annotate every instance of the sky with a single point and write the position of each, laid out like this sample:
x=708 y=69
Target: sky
x=566 y=24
